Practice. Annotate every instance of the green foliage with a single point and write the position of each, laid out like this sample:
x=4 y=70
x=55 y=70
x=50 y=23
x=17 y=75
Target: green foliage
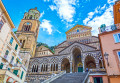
x=44 y=44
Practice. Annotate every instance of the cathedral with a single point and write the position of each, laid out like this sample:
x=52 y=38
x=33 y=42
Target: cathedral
x=78 y=53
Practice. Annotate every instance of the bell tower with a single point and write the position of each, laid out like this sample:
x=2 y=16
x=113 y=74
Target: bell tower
x=27 y=34
x=116 y=9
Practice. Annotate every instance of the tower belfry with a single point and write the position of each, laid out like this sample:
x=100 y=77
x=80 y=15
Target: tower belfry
x=27 y=34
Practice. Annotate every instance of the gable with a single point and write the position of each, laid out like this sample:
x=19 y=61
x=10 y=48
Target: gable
x=82 y=47
x=78 y=29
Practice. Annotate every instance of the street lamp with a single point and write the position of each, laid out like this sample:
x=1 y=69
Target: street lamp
x=106 y=57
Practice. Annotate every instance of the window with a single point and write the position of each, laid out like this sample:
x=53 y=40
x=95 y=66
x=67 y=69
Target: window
x=16 y=47
x=12 y=59
x=1 y=65
x=23 y=44
x=15 y=72
x=27 y=26
x=11 y=40
x=9 y=69
x=118 y=55
x=1 y=24
x=116 y=37
x=7 y=52
x=22 y=74
x=98 y=80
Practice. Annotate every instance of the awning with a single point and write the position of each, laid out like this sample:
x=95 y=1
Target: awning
x=19 y=61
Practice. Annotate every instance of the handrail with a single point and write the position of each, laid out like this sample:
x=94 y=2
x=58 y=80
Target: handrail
x=86 y=77
x=54 y=77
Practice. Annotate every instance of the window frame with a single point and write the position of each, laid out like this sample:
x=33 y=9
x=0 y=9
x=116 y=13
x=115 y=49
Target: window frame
x=16 y=47
x=11 y=40
x=118 y=55
x=2 y=25
x=117 y=37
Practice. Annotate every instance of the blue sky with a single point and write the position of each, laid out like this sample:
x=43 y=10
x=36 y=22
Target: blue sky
x=58 y=16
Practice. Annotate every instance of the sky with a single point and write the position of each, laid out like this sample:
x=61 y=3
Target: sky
x=58 y=16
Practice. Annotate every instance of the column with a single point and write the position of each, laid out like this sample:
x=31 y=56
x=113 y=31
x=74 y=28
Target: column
x=83 y=66
x=97 y=65
x=49 y=67
x=39 y=68
x=70 y=67
x=59 y=66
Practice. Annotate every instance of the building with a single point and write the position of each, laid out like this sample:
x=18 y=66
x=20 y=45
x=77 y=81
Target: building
x=11 y=67
x=109 y=42
x=43 y=51
x=81 y=50
x=111 y=52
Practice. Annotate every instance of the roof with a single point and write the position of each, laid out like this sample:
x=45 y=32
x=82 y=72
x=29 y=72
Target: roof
x=78 y=26
x=46 y=47
x=6 y=14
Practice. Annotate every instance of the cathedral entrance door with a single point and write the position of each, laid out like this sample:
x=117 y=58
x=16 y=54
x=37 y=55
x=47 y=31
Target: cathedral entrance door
x=80 y=69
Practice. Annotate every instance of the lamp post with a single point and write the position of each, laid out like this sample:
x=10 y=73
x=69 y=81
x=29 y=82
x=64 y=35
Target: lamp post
x=106 y=57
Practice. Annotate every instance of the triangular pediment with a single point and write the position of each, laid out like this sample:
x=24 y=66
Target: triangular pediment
x=79 y=27
x=82 y=47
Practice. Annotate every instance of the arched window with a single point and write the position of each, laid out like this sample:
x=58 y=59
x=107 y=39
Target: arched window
x=27 y=26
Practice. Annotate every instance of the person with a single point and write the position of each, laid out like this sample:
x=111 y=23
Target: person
x=86 y=69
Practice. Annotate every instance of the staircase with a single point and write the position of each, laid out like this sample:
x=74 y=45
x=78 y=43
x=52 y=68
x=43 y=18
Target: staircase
x=71 y=78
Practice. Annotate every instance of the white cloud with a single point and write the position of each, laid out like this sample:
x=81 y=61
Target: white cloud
x=105 y=18
x=52 y=7
x=46 y=0
x=111 y=1
x=41 y=15
x=46 y=25
x=58 y=31
x=65 y=9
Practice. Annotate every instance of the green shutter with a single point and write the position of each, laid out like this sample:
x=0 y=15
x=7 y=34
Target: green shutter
x=7 y=52
x=11 y=40
x=9 y=69
x=101 y=81
x=16 y=47
x=1 y=65
x=22 y=74
x=95 y=80
x=15 y=72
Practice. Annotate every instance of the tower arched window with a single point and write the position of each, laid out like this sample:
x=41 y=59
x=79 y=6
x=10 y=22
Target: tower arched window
x=27 y=26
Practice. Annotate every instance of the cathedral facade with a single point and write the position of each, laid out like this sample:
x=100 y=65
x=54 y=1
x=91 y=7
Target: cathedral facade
x=80 y=52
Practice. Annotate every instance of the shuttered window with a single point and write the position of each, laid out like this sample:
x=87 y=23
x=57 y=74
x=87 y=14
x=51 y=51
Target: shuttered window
x=22 y=74
x=15 y=72
x=11 y=40
x=16 y=46
x=1 y=65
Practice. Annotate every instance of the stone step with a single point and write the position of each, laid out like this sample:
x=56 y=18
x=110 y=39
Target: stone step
x=71 y=78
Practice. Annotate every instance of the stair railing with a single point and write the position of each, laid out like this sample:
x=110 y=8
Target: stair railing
x=86 y=77
x=54 y=77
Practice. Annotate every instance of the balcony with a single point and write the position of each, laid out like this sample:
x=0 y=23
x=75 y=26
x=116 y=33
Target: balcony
x=100 y=71
x=10 y=75
x=6 y=58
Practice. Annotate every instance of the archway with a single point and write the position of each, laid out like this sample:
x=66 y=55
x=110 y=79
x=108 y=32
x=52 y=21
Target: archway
x=90 y=62
x=77 y=62
x=65 y=65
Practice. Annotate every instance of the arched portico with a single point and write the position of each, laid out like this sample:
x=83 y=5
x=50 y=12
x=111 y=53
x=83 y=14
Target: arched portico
x=89 y=62
x=77 y=62
x=65 y=65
